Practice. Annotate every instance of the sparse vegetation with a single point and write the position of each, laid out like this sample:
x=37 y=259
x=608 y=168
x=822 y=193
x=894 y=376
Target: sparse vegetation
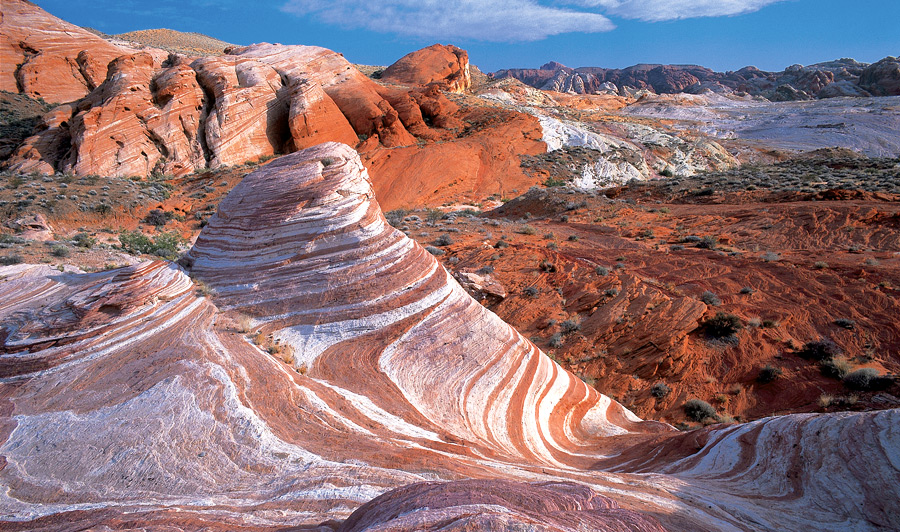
x=60 y=250
x=845 y=323
x=836 y=368
x=768 y=374
x=165 y=245
x=723 y=325
x=698 y=410
x=823 y=349
x=710 y=298
x=660 y=390
x=867 y=379
x=9 y=260
x=443 y=240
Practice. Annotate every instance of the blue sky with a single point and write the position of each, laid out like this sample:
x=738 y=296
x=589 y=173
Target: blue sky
x=720 y=34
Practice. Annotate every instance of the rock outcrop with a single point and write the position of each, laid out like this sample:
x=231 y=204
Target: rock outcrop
x=45 y=57
x=444 y=65
x=173 y=411
x=796 y=82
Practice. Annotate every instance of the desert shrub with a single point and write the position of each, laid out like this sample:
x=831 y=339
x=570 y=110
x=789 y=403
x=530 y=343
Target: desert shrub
x=84 y=240
x=819 y=350
x=611 y=292
x=396 y=216
x=9 y=260
x=677 y=247
x=156 y=218
x=484 y=270
x=667 y=172
x=531 y=291
x=768 y=374
x=866 y=379
x=527 y=230
x=501 y=244
x=820 y=265
x=660 y=390
x=165 y=245
x=747 y=290
x=708 y=242
x=601 y=271
x=434 y=215
x=845 y=323
x=710 y=298
x=556 y=340
x=698 y=410
x=437 y=252
x=836 y=368
x=103 y=209
x=569 y=326
x=547 y=266
x=770 y=256
x=443 y=240
x=723 y=325
x=11 y=239
x=551 y=182
x=60 y=250
x=552 y=245
x=690 y=239
x=770 y=324
x=573 y=238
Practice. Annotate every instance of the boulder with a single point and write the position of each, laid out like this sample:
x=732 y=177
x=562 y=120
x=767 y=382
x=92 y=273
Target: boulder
x=444 y=65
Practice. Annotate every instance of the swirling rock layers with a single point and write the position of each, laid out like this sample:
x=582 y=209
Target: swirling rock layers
x=389 y=376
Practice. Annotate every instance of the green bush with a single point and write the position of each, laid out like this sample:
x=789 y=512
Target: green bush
x=9 y=260
x=165 y=245
x=84 y=240
x=60 y=250
x=698 y=410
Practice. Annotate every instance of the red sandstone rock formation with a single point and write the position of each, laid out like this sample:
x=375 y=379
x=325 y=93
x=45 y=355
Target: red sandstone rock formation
x=45 y=57
x=386 y=374
x=444 y=65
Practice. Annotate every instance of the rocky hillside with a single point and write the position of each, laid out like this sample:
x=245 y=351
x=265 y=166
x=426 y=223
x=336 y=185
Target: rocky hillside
x=842 y=77
x=176 y=41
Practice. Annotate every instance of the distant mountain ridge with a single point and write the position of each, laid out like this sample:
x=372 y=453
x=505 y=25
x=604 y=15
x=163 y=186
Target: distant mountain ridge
x=841 y=77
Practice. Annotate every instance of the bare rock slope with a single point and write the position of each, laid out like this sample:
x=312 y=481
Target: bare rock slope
x=387 y=375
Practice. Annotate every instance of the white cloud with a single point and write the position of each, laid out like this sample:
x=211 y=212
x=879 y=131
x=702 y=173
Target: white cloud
x=503 y=20
x=507 y=20
x=659 y=10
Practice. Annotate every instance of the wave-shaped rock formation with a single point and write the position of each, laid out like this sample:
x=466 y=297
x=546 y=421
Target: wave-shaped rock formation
x=131 y=401
x=842 y=77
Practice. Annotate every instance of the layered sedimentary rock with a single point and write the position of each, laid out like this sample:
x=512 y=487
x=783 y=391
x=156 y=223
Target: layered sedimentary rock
x=796 y=82
x=45 y=57
x=386 y=374
x=444 y=65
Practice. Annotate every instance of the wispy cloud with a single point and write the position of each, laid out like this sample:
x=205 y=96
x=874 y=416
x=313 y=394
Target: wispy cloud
x=659 y=10
x=503 y=20
x=506 y=20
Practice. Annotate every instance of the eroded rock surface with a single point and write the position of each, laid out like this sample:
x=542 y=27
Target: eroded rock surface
x=444 y=65
x=386 y=373
x=45 y=57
